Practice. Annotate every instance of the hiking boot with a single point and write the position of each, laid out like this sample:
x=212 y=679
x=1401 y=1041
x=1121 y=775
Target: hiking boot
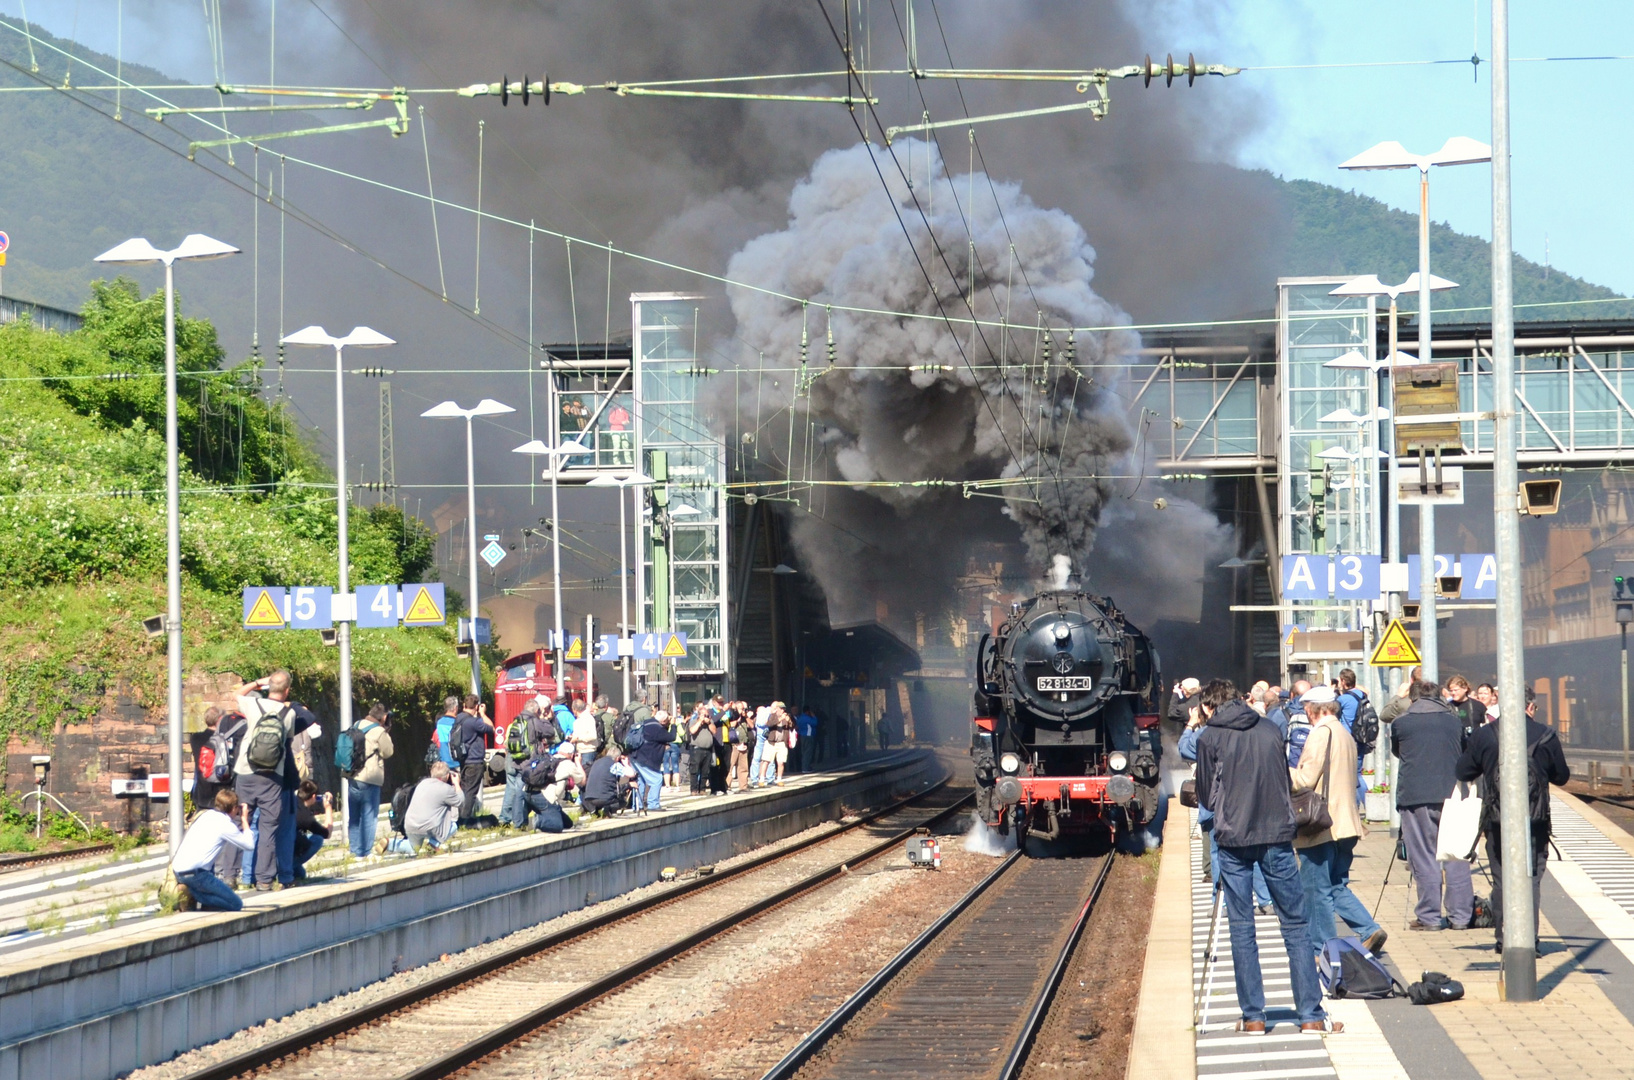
x=381 y=845
x=184 y=899
x=1375 y=941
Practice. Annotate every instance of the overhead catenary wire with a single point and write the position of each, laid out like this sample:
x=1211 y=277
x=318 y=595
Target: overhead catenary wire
x=431 y=193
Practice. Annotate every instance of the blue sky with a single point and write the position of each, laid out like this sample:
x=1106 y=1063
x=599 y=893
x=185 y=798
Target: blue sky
x=1572 y=151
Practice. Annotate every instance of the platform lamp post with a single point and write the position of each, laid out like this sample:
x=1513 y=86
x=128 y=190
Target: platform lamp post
x=634 y=480
x=1458 y=150
x=450 y=410
x=132 y=252
x=1520 y=965
x=570 y=448
x=362 y=337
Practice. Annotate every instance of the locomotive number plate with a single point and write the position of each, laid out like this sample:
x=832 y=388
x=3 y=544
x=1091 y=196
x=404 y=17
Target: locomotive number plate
x=1049 y=684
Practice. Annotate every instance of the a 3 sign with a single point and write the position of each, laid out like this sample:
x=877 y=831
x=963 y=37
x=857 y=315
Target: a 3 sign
x=1362 y=577
x=317 y=607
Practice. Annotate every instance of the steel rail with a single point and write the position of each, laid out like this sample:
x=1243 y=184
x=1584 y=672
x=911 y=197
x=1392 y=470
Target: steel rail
x=260 y=1057
x=31 y=858
x=808 y=1047
x=1017 y=1059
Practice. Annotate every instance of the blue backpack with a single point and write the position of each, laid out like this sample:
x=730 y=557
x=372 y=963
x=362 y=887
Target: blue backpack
x=1349 y=971
x=635 y=738
x=1299 y=730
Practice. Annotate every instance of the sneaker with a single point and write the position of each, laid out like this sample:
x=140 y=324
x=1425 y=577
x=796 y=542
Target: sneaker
x=264 y=888
x=1266 y=909
x=1375 y=941
x=381 y=844
x=1416 y=925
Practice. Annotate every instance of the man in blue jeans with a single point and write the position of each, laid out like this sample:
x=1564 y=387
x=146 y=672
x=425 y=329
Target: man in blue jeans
x=1242 y=776
x=656 y=735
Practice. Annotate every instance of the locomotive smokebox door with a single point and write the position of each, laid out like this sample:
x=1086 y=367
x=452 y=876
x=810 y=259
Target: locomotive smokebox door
x=925 y=852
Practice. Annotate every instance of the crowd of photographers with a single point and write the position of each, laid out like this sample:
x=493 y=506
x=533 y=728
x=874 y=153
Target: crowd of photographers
x=261 y=817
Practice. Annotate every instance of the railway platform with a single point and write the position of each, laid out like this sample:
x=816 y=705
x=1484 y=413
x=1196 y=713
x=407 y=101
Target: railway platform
x=1582 y=1027
x=99 y=1006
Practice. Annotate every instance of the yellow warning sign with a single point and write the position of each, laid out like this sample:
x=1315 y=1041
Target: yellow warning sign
x=1395 y=649
x=575 y=649
x=423 y=609
x=673 y=649
x=264 y=614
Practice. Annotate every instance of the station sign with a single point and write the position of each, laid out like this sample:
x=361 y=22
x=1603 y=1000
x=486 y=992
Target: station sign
x=656 y=645
x=1364 y=577
x=319 y=607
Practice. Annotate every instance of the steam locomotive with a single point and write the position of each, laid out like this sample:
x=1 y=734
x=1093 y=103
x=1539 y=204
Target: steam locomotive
x=1065 y=736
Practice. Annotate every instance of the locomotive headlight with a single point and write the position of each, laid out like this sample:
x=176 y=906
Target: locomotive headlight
x=1010 y=763
x=1063 y=632
x=1117 y=761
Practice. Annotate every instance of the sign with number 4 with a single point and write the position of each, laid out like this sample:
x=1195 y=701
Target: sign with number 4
x=376 y=606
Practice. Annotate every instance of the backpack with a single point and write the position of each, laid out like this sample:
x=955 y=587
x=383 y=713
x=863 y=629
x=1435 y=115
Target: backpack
x=1481 y=914
x=1349 y=971
x=222 y=748
x=1365 y=727
x=457 y=736
x=635 y=737
x=266 y=749
x=516 y=739
x=621 y=726
x=399 y=806
x=351 y=749
x=539 y=773
x=739 y=732
x=1537 y=796
x=1299 y=730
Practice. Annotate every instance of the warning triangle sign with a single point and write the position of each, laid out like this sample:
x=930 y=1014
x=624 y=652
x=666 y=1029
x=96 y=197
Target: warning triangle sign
x=1395 y=649
x=575 y=649
x=673 y=649
x=264 y=614
x=423 y=609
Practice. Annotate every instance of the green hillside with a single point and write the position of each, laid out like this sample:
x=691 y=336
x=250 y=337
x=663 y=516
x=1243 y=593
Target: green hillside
x=1337 y=232
x=82 y=524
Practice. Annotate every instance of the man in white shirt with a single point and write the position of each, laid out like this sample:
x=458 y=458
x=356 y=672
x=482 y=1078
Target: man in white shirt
x=586 y=734
x=196 y=854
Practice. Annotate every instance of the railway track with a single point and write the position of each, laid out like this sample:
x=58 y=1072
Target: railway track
x=969 y=995
x=457 y=1020
x=26 y=859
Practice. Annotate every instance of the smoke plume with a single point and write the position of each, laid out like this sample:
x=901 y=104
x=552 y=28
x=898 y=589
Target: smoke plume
x=906 y=407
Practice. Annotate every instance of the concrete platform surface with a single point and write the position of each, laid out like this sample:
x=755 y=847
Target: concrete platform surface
x=101 y=1006
x=1583 y=1027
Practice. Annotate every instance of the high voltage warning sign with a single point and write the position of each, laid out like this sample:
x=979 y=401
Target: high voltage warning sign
x=1395 y=648
x=426 y=607
x=263 y=611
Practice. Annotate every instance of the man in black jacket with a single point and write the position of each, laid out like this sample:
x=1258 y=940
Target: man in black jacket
x=1427 y=739
x=1242 y=776
x=472 y=734
x=1480 y=761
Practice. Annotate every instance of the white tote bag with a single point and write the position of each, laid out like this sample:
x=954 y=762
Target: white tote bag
x=1460 y=824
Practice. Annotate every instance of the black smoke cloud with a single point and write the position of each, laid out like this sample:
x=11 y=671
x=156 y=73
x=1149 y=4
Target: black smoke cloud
x=1177 y=232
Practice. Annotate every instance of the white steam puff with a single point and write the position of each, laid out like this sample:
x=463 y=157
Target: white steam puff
x=1060 y=571
x=916 y=399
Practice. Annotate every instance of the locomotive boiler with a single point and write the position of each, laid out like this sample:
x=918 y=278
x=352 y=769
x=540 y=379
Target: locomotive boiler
x=1065 y=734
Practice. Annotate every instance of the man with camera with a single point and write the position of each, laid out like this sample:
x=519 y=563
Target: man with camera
x=265 y=776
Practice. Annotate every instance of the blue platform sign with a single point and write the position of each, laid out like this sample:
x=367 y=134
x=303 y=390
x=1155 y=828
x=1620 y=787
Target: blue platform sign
x=1305 y=577
x=607 y=648
x=376 y=606
x=1479 y=571
x=309 y=607
x=1356 y=577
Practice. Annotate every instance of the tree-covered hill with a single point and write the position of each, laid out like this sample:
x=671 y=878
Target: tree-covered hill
x=82 y=523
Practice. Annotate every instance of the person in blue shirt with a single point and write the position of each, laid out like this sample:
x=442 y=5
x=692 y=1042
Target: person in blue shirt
x=444 y=735
x=806 y=724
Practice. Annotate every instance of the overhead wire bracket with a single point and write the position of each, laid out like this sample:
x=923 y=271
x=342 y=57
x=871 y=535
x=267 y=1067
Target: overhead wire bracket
x=397 y=125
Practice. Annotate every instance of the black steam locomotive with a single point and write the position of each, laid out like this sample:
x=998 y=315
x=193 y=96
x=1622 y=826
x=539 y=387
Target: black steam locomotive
x=1065 y=737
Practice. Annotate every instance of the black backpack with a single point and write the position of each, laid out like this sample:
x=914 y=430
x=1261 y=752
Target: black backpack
x=621 y=726
x=223 y=744
x=1365 y=728
x=1434 y=988
x=267 y=735
x=539 y=773
x=1537 y=796
x=399 y=806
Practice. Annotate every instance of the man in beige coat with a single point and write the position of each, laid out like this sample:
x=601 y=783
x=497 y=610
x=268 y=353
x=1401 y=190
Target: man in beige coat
x=1328 y=764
